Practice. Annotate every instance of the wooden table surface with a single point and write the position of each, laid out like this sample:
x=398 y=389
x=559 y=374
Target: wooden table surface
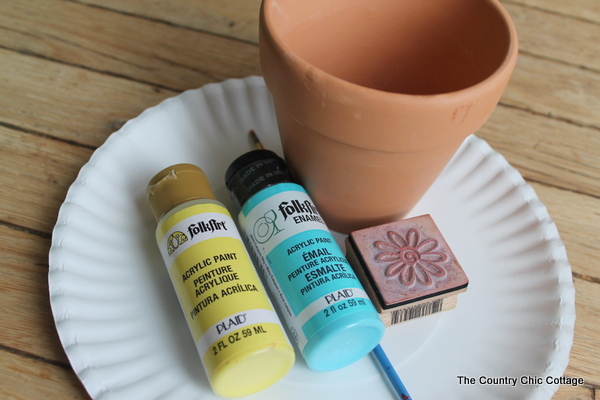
x=74 y=71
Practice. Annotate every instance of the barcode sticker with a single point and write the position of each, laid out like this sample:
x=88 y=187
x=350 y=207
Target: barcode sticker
x=416 y=311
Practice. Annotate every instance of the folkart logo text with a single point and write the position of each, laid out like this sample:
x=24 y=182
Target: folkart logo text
x=301 y=212
x=206 y=226
x=178 y=238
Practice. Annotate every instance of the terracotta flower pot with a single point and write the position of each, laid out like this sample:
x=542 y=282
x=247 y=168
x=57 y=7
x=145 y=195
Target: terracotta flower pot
x=373 y=98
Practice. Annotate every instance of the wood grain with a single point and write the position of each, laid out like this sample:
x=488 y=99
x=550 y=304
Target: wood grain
x=123 y=45
x=73 y=71
x=566 y=392
x=555 y=36
x=69 y=103
x=546 y=150
x=24 y=378
x=28 y=325
x=577 y=218
x=37 y=172
x=233 y=18
x=585 y=351
x=586 y=10
x=562 y=91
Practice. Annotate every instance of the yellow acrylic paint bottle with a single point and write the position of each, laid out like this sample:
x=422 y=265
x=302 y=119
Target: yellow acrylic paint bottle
x=238 y=334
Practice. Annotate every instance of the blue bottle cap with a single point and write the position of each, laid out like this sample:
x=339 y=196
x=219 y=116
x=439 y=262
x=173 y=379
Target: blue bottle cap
x=344 y=341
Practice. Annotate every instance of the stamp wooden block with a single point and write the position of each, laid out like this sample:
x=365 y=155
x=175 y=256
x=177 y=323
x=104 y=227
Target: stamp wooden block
x=407 y=268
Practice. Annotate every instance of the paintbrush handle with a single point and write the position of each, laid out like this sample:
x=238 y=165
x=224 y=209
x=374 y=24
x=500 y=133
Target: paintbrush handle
x=390 y=372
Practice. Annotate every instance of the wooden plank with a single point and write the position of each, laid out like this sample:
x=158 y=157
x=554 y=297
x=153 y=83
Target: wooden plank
x=577 y=218
x=101 y=76
x=588 y=10
x=556 y=36
x=585 y=352
x=232 y=18
x=240 y=19
x=555 y=90
x=566 y=392
x=23 y=378
x=546 y=150
x=27 y=321
x=37 y=173
x=124 y=45
x=68 y=102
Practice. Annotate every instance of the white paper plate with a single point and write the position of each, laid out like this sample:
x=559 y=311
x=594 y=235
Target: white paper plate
x=126 y=338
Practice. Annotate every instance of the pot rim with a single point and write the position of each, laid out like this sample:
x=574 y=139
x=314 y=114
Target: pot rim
x=318 y=75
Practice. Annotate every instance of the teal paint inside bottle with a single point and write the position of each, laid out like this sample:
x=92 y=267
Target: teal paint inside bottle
x=323 y=303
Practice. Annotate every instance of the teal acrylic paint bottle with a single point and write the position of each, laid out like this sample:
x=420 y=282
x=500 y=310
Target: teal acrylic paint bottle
x=327 y=311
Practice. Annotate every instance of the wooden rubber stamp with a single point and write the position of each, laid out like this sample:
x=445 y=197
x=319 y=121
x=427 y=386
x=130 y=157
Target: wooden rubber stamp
x=407 y=268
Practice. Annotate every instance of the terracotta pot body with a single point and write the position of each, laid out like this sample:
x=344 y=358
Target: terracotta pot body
x=373 y=98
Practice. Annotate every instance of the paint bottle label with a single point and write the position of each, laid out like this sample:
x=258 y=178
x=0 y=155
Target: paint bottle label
x=225 y=305
x=304 y=267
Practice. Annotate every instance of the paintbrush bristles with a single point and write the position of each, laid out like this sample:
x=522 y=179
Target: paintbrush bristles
x=256 y=140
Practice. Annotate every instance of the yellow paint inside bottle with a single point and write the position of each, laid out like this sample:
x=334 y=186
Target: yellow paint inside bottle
x=238 y=334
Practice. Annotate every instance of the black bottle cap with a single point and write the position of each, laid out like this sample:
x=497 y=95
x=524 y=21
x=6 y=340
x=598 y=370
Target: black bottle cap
x=254 y=171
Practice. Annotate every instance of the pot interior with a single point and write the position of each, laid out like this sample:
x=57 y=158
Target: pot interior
x=402 y=46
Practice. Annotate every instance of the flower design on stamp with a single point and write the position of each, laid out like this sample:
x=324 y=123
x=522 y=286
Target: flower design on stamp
x=411 y=260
